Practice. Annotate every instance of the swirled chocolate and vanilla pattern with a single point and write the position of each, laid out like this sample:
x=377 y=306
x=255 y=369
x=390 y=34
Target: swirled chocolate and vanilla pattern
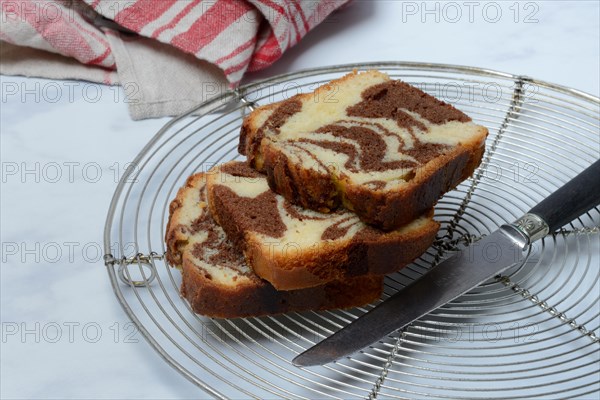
x=288 y=237
x=216 y=279
x=195 y=234
x=364 y=132
x=370 y=129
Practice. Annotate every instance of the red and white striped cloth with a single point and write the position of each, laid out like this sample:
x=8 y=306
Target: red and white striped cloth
x=235 y=35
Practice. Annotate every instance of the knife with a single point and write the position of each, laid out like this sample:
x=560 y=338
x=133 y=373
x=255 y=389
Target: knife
x=463 y=271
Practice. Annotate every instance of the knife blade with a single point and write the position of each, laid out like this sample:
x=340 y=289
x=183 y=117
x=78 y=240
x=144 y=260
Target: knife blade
x=461 y=272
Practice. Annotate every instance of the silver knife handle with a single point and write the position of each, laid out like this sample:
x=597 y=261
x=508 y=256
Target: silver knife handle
x=567 y=203
x=532 y=227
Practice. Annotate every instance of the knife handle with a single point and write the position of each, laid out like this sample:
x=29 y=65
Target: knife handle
x=564 y=205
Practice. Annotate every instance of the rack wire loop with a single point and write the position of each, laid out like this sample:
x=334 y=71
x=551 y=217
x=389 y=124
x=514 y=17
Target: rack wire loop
x=251 y=105
x=142 y=260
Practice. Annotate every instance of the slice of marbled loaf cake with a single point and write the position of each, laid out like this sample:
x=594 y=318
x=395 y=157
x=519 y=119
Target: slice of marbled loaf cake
x=380 y=147
x=218 y=283
x=292 y=247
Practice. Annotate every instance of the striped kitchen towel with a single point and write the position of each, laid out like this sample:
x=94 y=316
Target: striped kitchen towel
x=168 y=54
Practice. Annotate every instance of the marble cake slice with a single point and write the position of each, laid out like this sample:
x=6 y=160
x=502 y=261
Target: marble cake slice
x=218 y=283
x=292 y=247
x=380 y=147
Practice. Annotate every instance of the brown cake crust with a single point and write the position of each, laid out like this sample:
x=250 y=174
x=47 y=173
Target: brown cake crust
x=256 y=226
x=260 y=298
x=438 y=170
x=247 y=295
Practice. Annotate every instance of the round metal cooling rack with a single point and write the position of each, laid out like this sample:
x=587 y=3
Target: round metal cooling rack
x=531 y=333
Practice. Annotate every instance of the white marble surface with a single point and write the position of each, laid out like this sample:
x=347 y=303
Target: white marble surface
x=61 y=158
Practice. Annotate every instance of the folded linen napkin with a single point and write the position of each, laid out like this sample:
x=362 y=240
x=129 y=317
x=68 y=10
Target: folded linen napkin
x=169 y=55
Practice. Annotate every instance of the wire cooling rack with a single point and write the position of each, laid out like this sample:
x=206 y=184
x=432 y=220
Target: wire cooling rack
x=531 y=333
